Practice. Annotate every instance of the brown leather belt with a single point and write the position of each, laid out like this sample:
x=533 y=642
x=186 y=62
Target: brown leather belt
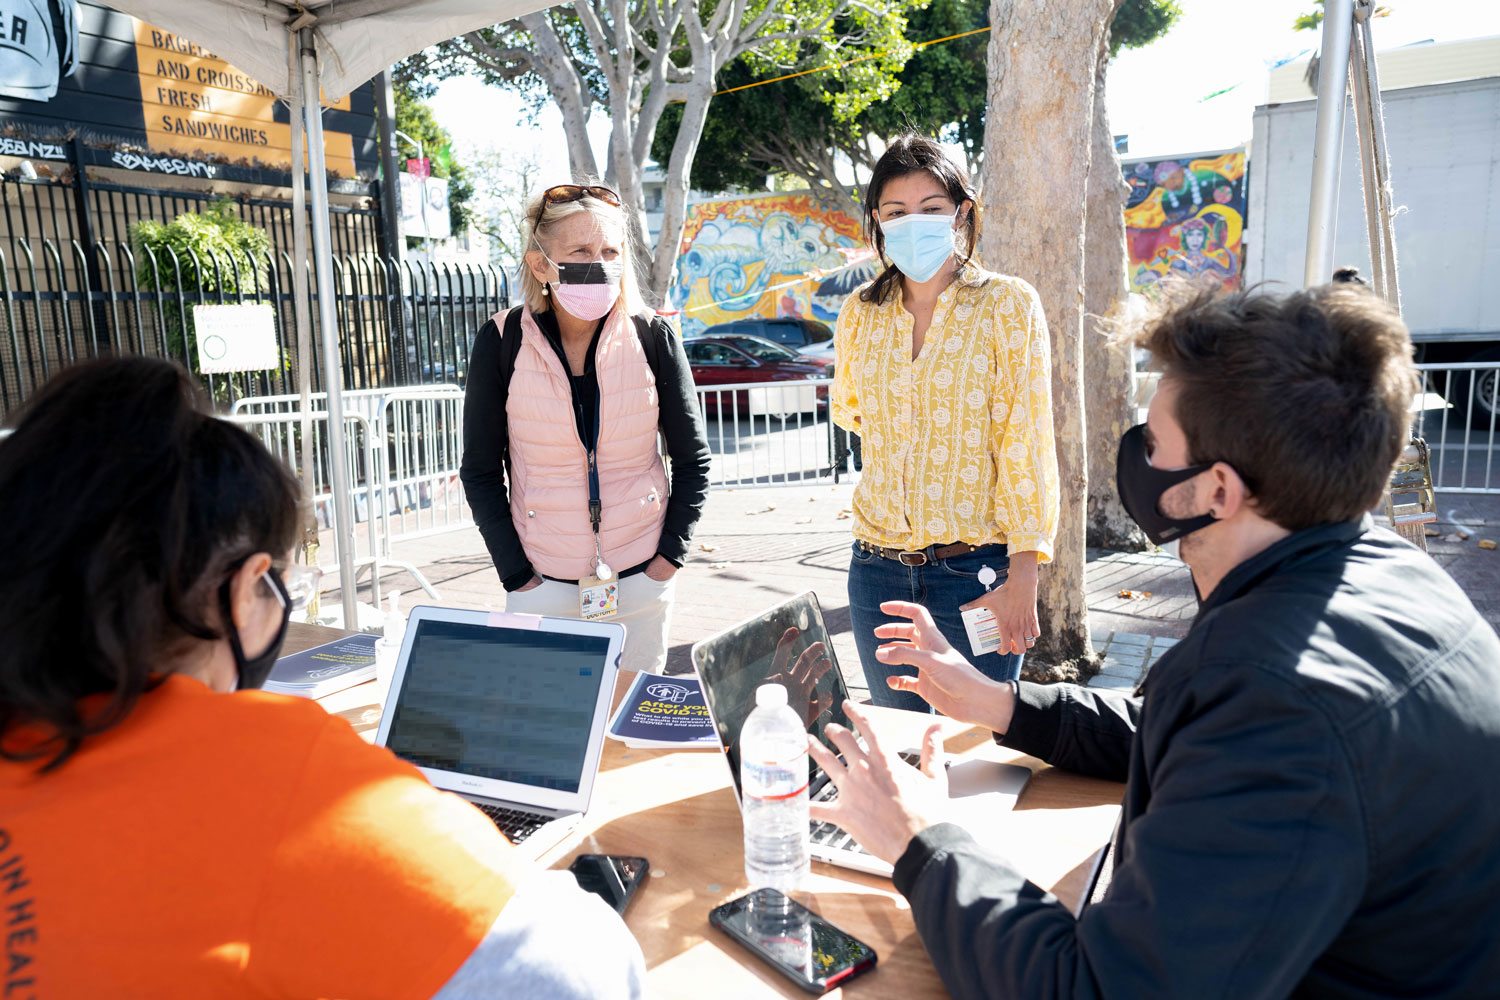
x=921 y=557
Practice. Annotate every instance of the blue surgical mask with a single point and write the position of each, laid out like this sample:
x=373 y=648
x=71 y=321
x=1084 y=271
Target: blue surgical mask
x=919 y=245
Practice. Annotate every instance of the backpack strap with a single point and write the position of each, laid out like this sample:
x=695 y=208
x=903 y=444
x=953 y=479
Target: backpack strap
x=649 y=344
x=510 y=349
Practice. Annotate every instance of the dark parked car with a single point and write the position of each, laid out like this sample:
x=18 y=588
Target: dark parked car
x=730 y=360
x=804 y=336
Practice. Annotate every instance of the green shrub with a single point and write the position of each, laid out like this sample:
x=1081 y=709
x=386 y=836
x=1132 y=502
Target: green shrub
x=199 y=240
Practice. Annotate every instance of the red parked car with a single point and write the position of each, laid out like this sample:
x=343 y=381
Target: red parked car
x=738 y=358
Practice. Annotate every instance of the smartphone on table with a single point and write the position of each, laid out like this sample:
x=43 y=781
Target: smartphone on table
x=614 y=878
x=798 y=943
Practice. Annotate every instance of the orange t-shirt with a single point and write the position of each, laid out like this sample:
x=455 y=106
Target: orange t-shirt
x=245 y=845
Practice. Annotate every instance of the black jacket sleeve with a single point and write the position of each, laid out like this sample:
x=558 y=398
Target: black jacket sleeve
x=1249 y=862
x=1074 y=728
x=486 y=456
x=687 y=444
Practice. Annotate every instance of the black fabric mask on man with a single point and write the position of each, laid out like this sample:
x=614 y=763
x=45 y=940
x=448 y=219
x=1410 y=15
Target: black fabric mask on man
x=1141 y=486
x=252 y=672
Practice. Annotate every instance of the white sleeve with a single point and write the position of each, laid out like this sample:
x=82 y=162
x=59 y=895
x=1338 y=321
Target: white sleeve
x=534 y=946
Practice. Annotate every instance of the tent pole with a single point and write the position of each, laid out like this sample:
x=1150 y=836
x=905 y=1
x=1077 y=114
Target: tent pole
x=1328 y=141
x=301 y=305
x=328 y=323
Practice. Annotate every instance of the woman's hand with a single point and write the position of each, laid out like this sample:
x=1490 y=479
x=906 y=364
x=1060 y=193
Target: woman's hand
x=1014 y=605
x=531 y=584
x=661 y=569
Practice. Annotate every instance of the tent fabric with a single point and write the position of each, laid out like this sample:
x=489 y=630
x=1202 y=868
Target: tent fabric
x=356 y=38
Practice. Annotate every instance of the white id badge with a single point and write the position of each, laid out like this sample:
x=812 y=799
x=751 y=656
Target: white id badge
x=983 y=629
x=598 y=598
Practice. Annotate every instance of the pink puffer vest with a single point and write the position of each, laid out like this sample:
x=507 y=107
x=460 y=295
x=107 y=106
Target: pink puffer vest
x=549 y=488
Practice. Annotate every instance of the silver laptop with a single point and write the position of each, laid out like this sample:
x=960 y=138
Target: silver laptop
x=770 y=646
x=506 y=710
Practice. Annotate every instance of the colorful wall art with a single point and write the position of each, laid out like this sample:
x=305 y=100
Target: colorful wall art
x=1186 y=217
x=773 y=255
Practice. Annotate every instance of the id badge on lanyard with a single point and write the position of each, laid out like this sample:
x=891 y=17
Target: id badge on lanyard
x=598 y=594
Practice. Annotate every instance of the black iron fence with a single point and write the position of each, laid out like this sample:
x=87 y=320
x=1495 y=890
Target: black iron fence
x=72 y=287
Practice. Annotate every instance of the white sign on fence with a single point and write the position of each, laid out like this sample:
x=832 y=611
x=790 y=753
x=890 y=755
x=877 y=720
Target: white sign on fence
x=235 y=338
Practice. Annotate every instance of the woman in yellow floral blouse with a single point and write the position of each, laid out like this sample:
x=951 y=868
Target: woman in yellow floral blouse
x=943 y=370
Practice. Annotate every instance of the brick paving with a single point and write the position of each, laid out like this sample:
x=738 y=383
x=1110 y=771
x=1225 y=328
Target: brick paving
x=759 y=546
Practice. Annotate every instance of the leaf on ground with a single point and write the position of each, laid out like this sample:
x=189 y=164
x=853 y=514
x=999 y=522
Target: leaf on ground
x=705 y=547
x=1486 y=543
x=804 y=520
x=719 y=565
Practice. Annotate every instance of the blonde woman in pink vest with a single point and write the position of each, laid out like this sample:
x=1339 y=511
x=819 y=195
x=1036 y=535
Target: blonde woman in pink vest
x=566 y=396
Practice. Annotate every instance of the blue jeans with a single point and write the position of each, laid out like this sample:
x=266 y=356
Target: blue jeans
x=940 y=587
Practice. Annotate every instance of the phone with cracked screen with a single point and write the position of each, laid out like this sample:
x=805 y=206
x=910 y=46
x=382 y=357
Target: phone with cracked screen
x=795 y=941
x=614 y=878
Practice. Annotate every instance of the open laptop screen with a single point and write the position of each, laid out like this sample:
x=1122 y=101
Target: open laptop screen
x=509 y=704
x=787 y=645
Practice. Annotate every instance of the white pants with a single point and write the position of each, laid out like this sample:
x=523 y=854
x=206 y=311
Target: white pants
x=645 y=611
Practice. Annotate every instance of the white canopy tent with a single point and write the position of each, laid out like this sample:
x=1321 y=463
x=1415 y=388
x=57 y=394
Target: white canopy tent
x=302 y=49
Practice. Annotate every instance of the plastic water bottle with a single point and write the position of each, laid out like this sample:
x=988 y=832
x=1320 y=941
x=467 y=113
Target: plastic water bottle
x=773 y=783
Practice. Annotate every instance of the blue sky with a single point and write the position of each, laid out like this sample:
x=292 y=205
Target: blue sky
x=1156 y=94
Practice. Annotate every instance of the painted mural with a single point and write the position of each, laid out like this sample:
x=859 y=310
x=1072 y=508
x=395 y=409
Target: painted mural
x=1186 y=218
x=774 y=255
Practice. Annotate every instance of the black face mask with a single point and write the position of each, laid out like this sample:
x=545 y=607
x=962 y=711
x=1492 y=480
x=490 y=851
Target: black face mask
x=595 y=272
x=253 y=672
x=1141 y=487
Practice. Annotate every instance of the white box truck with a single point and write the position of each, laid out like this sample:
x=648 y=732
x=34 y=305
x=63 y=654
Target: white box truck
x=1444 y=142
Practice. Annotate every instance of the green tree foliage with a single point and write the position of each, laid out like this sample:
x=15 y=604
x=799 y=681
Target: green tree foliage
x=786 y=127
x=215 y=253
x=415 y=118
x=1140 y=22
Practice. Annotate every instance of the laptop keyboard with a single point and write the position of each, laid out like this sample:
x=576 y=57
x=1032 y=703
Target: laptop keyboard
x=517 y=824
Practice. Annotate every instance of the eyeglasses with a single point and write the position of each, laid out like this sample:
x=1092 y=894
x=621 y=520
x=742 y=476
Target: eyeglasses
x=301 y=584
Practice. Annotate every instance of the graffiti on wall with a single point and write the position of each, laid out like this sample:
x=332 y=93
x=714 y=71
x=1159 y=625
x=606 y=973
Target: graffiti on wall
x=1186 y=218
x=776 y=255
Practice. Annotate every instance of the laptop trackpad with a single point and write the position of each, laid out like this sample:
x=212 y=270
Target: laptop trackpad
x=971 y=779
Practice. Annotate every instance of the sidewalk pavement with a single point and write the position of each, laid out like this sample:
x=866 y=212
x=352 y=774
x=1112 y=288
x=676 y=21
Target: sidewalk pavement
x=756 y=547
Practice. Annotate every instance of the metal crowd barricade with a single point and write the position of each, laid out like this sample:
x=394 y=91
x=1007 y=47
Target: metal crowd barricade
x=423 y=431
x=770 y=433
x=1458 y=412
x=281 y=434
x=408 y=485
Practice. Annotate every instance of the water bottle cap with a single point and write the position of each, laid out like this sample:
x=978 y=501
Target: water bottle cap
x=770 y=694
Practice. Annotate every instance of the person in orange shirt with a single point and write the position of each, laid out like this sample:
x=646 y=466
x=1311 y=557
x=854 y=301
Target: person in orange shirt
x=165 y=828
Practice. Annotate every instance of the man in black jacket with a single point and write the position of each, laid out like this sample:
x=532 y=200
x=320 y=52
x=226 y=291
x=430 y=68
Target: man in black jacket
x=1310 y=806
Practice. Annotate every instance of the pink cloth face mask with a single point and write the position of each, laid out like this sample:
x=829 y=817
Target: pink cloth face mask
x=587 y=291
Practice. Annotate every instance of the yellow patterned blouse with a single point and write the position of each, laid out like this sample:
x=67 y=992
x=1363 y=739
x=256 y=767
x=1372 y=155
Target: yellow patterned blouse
x=957 y=445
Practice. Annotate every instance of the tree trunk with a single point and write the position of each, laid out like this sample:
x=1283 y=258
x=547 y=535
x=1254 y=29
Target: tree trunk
x=1040 y=108
x=1108 y=387
x=555 y=66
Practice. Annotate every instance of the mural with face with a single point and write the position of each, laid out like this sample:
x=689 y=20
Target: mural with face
x=1186 y=219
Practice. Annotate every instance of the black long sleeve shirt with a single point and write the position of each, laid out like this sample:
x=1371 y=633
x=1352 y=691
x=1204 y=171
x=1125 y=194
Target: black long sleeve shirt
x=487 y=444
x=1308 y=803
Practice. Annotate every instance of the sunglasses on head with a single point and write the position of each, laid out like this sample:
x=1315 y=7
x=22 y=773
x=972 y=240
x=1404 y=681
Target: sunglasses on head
x=561 y=194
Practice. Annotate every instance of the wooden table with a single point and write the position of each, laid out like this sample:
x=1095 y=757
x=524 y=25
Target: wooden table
x=677 y=809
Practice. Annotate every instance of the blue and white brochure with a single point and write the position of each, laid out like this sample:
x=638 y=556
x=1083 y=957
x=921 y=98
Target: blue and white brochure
x=662 y=711
x=325 y=669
